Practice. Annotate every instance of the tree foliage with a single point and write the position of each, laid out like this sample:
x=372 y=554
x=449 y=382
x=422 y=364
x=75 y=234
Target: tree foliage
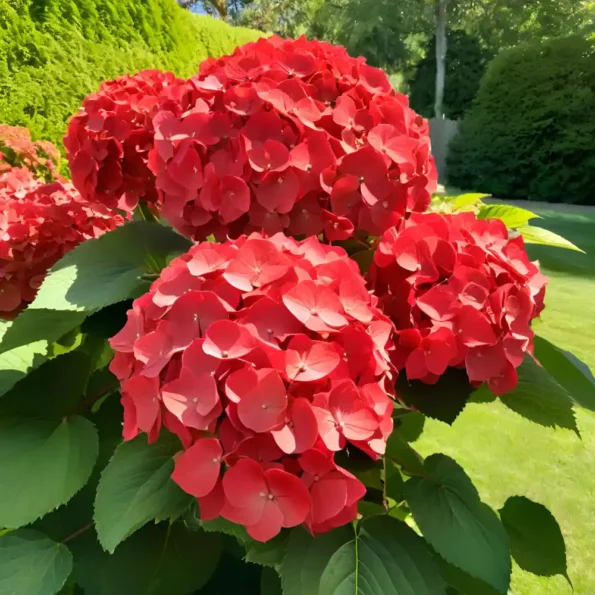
x=54 y=52
x=466 y=62
x=530 y=132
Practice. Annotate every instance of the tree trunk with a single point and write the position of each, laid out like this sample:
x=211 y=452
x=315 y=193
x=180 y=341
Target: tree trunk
x=440 y=57
x=221 y=8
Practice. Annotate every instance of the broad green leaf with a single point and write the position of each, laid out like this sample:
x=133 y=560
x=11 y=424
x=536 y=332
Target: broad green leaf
x=443 y=400
x=270 y=553
x=32 y=564
x=538 y=235
x=465 y=200
x=364 y=259
x=17 y=363
x=221 y=525
x=511 y=216
x=96 y=274
x=570 y=373
x=270 y=582
x=461 y=581
x=51 y=391
x=464 y=531
x=536 y=542
x=136 y=487
x=307 y=557
x=404 y=455
x=482 y=395
x=540 y=399
x=42 y=465
x=410 y=425
x=157 y=560
x=368 y=509
x=385 y=558
x=39 y=325
x=393 y=478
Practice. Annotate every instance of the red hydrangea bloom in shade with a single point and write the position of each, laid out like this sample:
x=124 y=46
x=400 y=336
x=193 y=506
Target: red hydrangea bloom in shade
x=39 y=223
x=266 y=356
x=109 y=139
x=461 y=293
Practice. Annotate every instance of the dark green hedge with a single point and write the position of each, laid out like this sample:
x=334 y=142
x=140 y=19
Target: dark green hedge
x=466 y=63
x=54 y=52
x=531 y=131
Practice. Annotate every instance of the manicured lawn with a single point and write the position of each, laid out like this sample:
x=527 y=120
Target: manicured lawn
x=506 y=455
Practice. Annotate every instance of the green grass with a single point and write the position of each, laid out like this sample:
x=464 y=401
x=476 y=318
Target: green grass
x=505 y=454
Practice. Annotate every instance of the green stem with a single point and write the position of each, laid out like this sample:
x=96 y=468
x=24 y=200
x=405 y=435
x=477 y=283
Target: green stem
x=145 y=212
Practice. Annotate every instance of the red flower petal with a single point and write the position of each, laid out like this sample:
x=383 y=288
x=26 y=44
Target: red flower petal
x=301 y=430
x=290 y=495
x=191 y=398
x=308 y=360
x=263 y=407
x=197 y=470
x=258 y=263
x=143 y=393
x=245 y=486
x=473 y=328
x=356 y=421
x=316 y=306
x=226 y=339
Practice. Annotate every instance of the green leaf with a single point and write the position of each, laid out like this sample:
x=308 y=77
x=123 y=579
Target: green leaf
x=39 y=325
x=511 y=216
x=136 y=487
x=221 y=525
x=571 y=373
x=410 y=425
x=307 y=557
x=157 y=560
x=52 y=390
x=17 y=363
x=443 y=400
x=270 y=553
x=462 y=582
x=536 y=542
x=270 y=582
x=96 y=274
x=43 y=464
x=32 y=564
x=540 y=399
x=404 y=455
x=385 y=558
x=465 y=200
x=539 y=235
x=395 y=483
x=464 y=531
x=364 y=259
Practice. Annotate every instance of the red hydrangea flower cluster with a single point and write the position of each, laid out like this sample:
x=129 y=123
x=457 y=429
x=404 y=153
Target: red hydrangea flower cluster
x=18 y=150
x=109 y=140
x=266 y=357
x=461 y=293
x=39 y=223
x=283 y=135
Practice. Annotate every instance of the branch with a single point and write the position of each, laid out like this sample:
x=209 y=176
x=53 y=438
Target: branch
x=78 y=532
x=90 y=401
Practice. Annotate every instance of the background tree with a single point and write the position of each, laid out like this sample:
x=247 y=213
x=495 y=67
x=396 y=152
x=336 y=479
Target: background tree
x=466 y=61
x=390 y=33
x=288 y=18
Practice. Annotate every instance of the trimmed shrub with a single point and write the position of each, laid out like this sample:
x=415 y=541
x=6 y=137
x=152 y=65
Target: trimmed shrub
x=531 y=131
x=466 y=63
x=54 y=52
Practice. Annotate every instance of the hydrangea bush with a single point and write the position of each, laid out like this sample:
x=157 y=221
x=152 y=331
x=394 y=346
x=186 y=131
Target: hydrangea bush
x=220 y=391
